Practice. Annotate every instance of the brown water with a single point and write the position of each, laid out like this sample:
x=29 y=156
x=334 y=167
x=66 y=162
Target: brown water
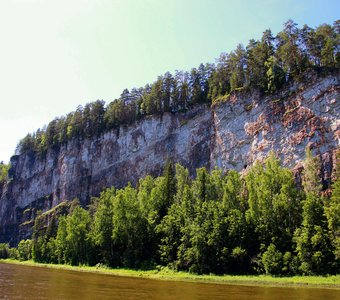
x=23 y=282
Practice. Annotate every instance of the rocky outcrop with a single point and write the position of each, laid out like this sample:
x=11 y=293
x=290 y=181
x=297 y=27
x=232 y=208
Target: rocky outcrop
x=247 y=127
x=229 y=135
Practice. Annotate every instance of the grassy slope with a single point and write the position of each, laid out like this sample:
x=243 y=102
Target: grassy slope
x=166 y=274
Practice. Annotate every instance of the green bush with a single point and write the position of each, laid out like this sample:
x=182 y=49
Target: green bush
x=25 y=250
x=4 y=249
x=272 y=260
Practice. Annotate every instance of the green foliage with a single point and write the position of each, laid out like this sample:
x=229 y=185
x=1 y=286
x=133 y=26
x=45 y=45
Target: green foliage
x=272 y=260
x=3 y=172
x=4 y=250
x=60 y=240
x=77 y=243
x=274 y=207
x=332 y=212
x=275 y=74
x=102 y=227
x=7 y=252
x=25 y=249
x=45 y=229
x=215 y=223
x=130 y=230
x=289 y=53
x=313 y=245
x=13 y=253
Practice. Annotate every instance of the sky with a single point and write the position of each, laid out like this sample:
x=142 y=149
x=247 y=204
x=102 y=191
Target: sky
x=58 y=54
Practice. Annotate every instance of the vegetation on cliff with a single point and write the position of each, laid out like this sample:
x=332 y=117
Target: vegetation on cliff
x=3 y=172
x=265 y=65
x=216 y=223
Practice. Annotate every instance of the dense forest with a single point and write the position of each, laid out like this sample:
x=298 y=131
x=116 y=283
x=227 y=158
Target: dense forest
x=260 y=222
x=265 y=65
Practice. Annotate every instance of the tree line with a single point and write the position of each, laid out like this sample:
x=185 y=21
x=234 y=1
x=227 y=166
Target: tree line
x=265 y=65
x=260 y=222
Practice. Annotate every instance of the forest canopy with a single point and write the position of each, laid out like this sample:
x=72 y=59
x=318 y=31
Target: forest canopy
x=266 y=65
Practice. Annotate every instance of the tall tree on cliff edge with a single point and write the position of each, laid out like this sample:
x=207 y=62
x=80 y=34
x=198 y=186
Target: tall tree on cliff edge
x=288 y=51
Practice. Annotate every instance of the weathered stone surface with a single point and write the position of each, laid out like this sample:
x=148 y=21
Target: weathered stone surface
x=231 y=135
x=247 y=129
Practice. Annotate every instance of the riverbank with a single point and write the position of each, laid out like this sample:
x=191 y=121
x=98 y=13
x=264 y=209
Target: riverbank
x=332 y=282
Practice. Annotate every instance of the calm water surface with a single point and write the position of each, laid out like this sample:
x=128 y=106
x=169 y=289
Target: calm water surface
x=23 y=282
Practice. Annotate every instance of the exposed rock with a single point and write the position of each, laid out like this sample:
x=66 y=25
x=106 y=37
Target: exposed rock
x=230 y=135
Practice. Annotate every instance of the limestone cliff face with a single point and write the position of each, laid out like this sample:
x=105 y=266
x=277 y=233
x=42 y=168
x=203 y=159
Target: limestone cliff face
x=230 y=135
x=247 y=128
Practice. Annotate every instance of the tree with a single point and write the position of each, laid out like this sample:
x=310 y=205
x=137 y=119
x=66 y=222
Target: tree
x=39 y=240
x=61 y=131
x=170 y=182
x=258 y=53
x=275 y=75
x=272 y=260
x=327 y=53
x=166 y=91
x=75 y=123
x=129 y=234
x=205 y=72
x=153 y=101
x=4 y=250
x=332 y=211
x=93 y=118
x=309 y=49
x=219 y=81
x=3 y=172
x=51 y=136
x=114 y=114
x=172 y=228
x=288 y=52
x=101 y=231
x=313 y=246
x=26 y=144
x=195 y=87
x=61 y=240
x=201 y=185
x=325 y=43
x=182 y=80
x=77 y=242
x=237 y=64
x=273 y=203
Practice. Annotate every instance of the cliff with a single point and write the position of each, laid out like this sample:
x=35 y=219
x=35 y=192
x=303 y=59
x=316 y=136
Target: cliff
x=230 y=135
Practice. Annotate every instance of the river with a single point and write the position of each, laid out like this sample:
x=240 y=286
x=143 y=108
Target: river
x=24 y=282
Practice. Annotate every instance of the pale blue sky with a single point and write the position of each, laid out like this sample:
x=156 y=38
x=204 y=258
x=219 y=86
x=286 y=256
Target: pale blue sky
x=55 y=55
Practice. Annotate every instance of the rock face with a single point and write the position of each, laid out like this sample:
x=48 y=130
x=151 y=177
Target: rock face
x=230 y=135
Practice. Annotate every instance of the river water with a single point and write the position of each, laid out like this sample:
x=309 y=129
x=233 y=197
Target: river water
x=24 y=282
